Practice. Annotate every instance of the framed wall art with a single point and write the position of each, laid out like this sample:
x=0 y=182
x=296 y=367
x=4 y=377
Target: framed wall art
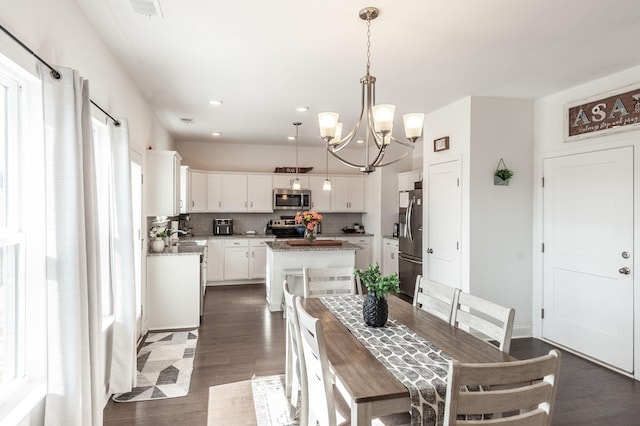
x=606 y=113
x=441 y=144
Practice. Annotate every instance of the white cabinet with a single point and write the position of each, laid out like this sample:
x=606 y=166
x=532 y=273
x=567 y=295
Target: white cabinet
x=285 y=180
x=260 y=189
x=258 y=258
x=163 y=177
x=406 y=180
x=348 y=194
x=234 y=193
x=198 y=192
x=214 y=192
x=173 y=292
x=185 y=188
x=364 y=257
x=236 y=259
x=390 y=256
x=215 y=260
x=320 y=199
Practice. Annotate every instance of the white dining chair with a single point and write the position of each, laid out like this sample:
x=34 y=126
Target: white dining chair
x=295 y=376
x=523 y=392
x=490 y=319
x=328 y=281
x=320 y=389
x=436 y=298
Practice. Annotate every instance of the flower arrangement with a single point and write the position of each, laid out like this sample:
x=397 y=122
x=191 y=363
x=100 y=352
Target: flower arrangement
x=377 y=283
x=310 y=219
x=160 y=232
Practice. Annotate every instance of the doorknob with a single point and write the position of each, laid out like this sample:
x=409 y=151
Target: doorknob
x=625 y=270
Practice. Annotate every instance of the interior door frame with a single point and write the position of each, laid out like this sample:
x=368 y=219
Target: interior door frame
x=137 y=158
x=600 y=144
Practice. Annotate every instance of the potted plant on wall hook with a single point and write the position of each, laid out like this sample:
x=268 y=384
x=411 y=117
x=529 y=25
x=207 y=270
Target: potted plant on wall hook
x=502 y=174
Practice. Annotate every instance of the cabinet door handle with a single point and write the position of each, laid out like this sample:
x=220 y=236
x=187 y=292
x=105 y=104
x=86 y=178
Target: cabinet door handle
x=252 y=204
x=393 y=255
x=245 y=204
x=247 y=253
x=193 y=203
x=219 y=203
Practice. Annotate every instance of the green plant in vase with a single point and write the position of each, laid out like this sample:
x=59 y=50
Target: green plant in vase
x=375 y=309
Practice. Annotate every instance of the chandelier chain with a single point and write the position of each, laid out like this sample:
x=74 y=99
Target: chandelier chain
x=368 y=44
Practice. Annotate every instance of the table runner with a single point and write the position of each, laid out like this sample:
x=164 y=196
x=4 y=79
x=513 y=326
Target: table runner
x=416 y=363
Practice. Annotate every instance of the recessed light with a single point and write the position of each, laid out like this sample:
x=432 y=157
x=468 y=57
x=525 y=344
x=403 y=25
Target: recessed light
x=359 y=141
x=216 y=102
x=302 y=109
x=291 y=138
x=216 y=134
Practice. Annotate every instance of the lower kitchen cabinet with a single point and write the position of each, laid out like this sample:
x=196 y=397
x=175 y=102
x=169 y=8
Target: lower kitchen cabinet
x=390 y=256
x=173 y=292
x=258 y=258
x=215 y=265
x=236 y=259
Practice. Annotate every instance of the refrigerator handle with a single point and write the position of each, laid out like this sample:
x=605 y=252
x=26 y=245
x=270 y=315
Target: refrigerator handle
x=409 y=218
x=400 y=256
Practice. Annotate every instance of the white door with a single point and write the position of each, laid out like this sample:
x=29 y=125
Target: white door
x=588 y=242
x=444 y=221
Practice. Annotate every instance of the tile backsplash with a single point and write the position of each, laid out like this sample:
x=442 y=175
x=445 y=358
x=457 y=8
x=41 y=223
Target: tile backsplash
x=202 y=223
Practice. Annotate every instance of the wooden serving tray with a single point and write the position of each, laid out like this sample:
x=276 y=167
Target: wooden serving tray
x=314 y=243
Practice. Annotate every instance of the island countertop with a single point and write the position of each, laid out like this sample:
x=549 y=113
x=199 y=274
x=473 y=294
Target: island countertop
x=281 y=245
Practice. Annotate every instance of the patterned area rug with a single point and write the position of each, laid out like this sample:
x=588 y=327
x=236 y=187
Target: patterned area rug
x=270 y=401
x=165 y=363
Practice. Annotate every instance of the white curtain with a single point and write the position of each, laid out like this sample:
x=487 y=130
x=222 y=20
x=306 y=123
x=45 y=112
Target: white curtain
x=75 y=389
x=123 y=356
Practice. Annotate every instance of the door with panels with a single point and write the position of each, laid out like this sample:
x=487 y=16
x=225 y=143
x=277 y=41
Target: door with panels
x=588 y=254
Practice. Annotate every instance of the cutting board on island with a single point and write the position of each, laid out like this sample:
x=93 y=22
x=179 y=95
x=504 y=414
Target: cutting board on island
x=314 y=243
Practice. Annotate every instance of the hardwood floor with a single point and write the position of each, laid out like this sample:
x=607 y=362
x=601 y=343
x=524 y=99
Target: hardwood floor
x=240 y=337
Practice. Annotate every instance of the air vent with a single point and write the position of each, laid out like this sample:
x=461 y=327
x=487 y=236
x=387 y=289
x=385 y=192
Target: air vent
x=147 y=7
x=187 y=120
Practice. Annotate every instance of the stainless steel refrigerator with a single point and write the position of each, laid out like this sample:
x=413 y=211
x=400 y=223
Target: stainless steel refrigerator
x=410 y=256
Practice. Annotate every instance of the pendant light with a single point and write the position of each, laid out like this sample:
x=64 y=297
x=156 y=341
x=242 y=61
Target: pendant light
x=326 y=185
x=296 y=182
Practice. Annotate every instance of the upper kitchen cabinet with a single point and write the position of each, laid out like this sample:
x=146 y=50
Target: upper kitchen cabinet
x=163 y=177
x=406 y=180
x=347 y=194
x=234 y=193
x=320 y=199
x=285 y=180
x=260 y=189
x=198 y=192
x=215 y=203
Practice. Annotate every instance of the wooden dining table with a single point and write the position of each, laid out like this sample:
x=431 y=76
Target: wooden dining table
x=371 y=389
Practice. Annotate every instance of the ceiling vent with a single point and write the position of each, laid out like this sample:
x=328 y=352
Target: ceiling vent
x=187 y=120
x=147 y=7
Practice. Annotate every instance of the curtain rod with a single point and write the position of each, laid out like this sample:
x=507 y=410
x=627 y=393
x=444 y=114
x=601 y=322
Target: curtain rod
x=54 y=73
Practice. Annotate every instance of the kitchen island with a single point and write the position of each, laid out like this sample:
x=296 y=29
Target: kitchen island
x=286 y=259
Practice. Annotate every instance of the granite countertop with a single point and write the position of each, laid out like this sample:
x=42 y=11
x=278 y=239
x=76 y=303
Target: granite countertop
x=282 y=245
x=180 y=250
x=268 y=236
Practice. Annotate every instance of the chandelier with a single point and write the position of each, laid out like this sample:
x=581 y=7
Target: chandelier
x=378 y=120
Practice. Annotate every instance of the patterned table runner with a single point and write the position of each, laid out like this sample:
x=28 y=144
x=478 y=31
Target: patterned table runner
x=416 y=363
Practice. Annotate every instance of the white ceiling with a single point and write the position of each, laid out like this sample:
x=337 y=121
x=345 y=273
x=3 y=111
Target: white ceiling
x=263 y=59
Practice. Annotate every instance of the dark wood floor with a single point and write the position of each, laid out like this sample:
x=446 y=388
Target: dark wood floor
x=240 y=338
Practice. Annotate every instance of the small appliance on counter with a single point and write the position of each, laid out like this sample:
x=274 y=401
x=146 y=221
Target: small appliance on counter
x=396 y=230
x=222 y=226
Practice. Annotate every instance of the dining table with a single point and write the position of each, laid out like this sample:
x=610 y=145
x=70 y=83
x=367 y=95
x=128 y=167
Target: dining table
x=366 y=383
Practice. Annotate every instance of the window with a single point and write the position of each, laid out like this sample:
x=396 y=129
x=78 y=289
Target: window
x=22 y=246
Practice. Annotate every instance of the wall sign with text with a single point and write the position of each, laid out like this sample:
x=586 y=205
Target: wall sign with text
x=607 y=113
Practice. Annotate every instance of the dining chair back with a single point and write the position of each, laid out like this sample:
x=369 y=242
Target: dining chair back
x=320 y=388
x=490 y=319
x=525 y=396
x=435 y=298
x=295 y=376
x=328 y=281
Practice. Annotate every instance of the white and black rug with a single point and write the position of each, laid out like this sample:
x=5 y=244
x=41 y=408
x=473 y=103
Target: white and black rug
x=270 y=401
x=165 y=363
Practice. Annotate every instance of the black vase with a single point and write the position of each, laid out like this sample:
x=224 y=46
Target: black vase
x=375 y=310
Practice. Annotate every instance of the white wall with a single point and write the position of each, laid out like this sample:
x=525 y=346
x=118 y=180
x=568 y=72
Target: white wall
x=495 y=247
x=549 y=141
x=500 y=217
x=58 y=32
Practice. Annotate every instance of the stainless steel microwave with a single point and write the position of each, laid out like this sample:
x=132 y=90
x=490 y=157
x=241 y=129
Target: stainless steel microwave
x=291 y=199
